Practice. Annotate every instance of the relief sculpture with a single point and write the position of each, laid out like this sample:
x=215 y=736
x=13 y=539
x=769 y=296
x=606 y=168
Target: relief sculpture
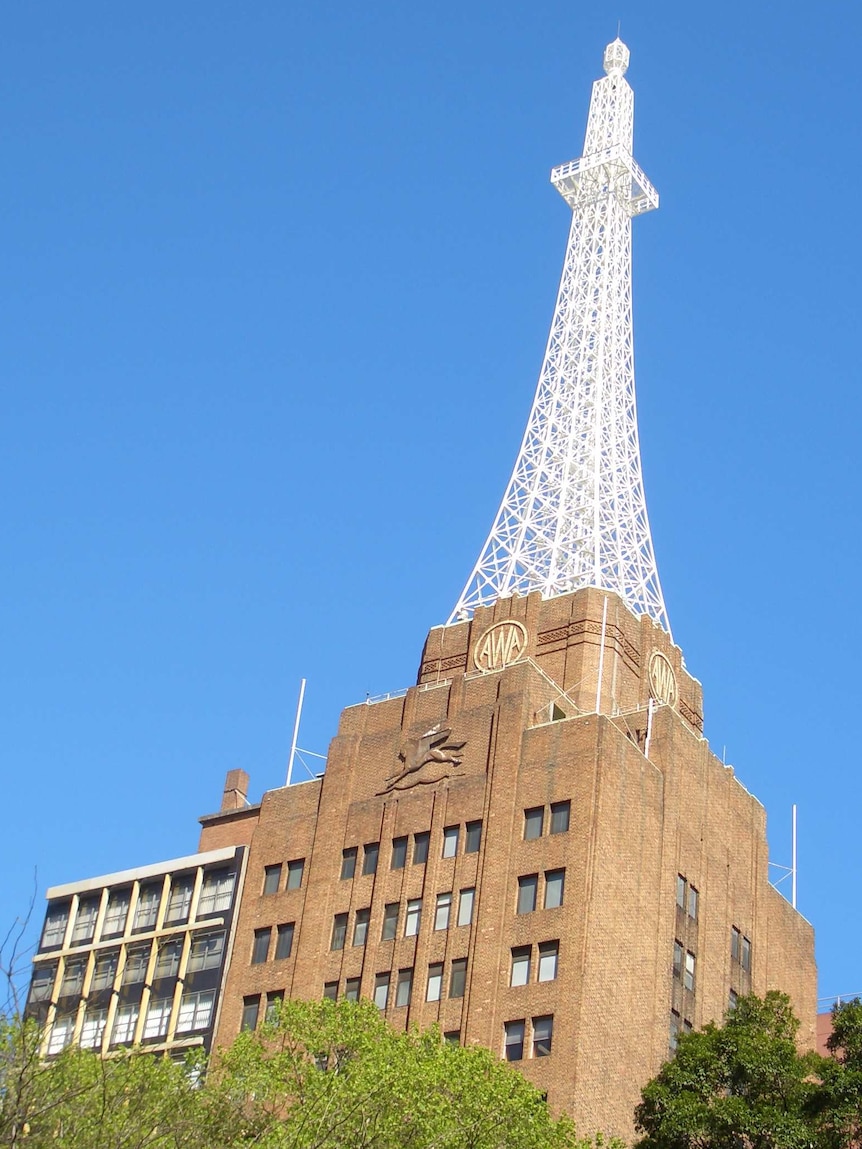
x=432 y=750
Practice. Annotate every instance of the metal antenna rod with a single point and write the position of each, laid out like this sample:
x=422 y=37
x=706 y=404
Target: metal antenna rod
x=295 y=732
x=793 y=861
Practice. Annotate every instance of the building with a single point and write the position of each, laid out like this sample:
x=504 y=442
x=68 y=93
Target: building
x=533 y=847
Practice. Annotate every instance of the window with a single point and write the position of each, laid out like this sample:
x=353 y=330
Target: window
x=534 y=821
x=673 y=1035
x=115 y=915
x=381 y=989
x=369 y=858
x=390 y=922
x=273 y=1003
x=528 y=886
x=294 y=873
x=435 y=982
x=42 y=983
x=554 y=882
x=196 y=1010
x=351 y=989
x=250 y=1010
x=217 y=892
x=543 y=1033
x=93 y=1029
x=399 y=853
x=271 y=878
x=514 y=1043
x=348 y=863
x=680 y=891
x=104 y=970
x=677 y=960
x=473 y=839
x=147 y=908
x=420 y=847
x=441 y=914
x=735 y=938
x=692 y=903
x=450 y=841
x=179 y=900
x=360 y=927
x=55 y=927
x=732 y=1000
x=414 y=915
x=465 y=906
x=137 y=959
x=404 y=987
x=330 y=991
x=124 y=1024
x=560 y=812
x=168 y=959
x=688 y=970
x=73 y=978
x=458 y=977
x=549 y=953
x=284 y=941
x=740 y=949
x=158 y=1014
x=85 y=921
x=452 y=1036
x=61 y=1034
x=260 y=948
x=339 y=932
x=207 y=950
x=520 y=973
x=745 y=958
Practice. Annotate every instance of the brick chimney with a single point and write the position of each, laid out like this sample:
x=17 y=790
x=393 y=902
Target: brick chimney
x=235 y=790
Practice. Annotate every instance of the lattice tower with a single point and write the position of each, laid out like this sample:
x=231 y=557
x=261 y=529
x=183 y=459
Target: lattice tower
x=574 y=513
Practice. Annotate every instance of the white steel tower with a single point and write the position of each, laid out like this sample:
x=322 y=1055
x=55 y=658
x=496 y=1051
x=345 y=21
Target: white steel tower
x=574 y=513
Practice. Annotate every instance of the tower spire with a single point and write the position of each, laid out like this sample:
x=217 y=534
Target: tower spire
x=574 y=513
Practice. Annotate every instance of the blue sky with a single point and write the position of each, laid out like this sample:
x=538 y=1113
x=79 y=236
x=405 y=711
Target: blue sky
x=276 y=286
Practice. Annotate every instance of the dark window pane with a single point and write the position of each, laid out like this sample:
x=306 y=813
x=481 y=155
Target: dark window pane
x=514 y=1040
x=55 y=926
x=528 y=885
x=554 y=884
x=390 y=922
x=680 y=891
x=404 y=987
x=458 y=977
x=369 y=860
x=348 y=863
x=692 y=903
x=473 y=838
x=330 y=991
x=534 y=821
x=399 y=853
x=746 y=955
x=360 y=927
x=271 y=879
x=284 y=942
x=560 y=812
x=294 y=873
x=273 y=1004
x=381 y=989
x=450 y=841
x=420 y=847
x=543 y=1032
x=339 y=932
x=250 y=1008
x=260 y=949
x=351 y=989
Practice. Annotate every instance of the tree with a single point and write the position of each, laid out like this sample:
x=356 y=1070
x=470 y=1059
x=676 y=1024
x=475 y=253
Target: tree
x=835 y=1106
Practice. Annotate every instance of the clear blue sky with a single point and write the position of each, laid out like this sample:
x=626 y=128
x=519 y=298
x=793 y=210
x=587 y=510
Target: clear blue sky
x=276 y=285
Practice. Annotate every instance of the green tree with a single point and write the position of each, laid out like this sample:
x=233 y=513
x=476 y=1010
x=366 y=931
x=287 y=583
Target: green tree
x=739 y=1086
x=835 y=1106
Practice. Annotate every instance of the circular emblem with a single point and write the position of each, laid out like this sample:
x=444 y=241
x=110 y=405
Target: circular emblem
x=500 y=645
x=662 y=680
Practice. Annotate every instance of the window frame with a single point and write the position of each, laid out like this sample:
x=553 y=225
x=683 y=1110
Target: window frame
x=295 y=873
x=413 y=917
x=338 y=937
x=466 y=897
x=519 y=966
x=473 y=836
x=549 y=952
x=553 y=878
x=260 y=945
x=560 y=812
x=528 y=893
x=534 y=816
x=458 y=978
x=443 y=910
x=543 y=1035
x=348 y=863
x=514 y=1037
x=282 y=931
x=451 y=836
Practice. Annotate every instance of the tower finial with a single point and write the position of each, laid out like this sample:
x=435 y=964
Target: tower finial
x=616 y=58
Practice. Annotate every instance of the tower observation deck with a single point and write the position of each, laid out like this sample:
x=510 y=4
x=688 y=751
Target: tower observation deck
x=574 y=513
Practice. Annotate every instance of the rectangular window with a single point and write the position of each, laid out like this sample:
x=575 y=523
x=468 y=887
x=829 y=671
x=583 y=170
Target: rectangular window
x=260 y=948
x=677 y=960
x=370 y=855
x=458 y=977
x=465 y=906
x=381 y=989
x=390 y=922
x=680 y=891
x=735 y=938
x=534 y=823
x=271 y=878
x=543 y=1033
x=360 y=927
x=549 y=953
x=284 y=941
x=452 y=1036
x=207 y=950
x=124 y=1024
x=348 y=863
x=692 y=903
x=555 y=881
x=441 y=913
x=168 y=959
x=93 y=1029
x=514 y=1043
x=339 y=932
x=42 y=983
x=196 y=1010
x=560 y=812
x=688 y=973
x=158 y=1014
x=104 y=971
x=404 y=987
x=399 y=853
x=61 y=1034
x=435 y=982
x=351 y=989
x=520 y=972
x=745 y=959
x=420 y=847
x=115 y=915
x=135 y=970
x=732 y=1000
x=473 y=838
x=85 y=921
x=179 y=901
x=294 y=873
x=73 y=978
x=55 y=927
x=147 y=908
x=273 y=1004
x=250 y=1010
x=330 y=991
x=414 y=916
x=450 y=841
x=528 y=885
x=217 y=892
x=673 y=1033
